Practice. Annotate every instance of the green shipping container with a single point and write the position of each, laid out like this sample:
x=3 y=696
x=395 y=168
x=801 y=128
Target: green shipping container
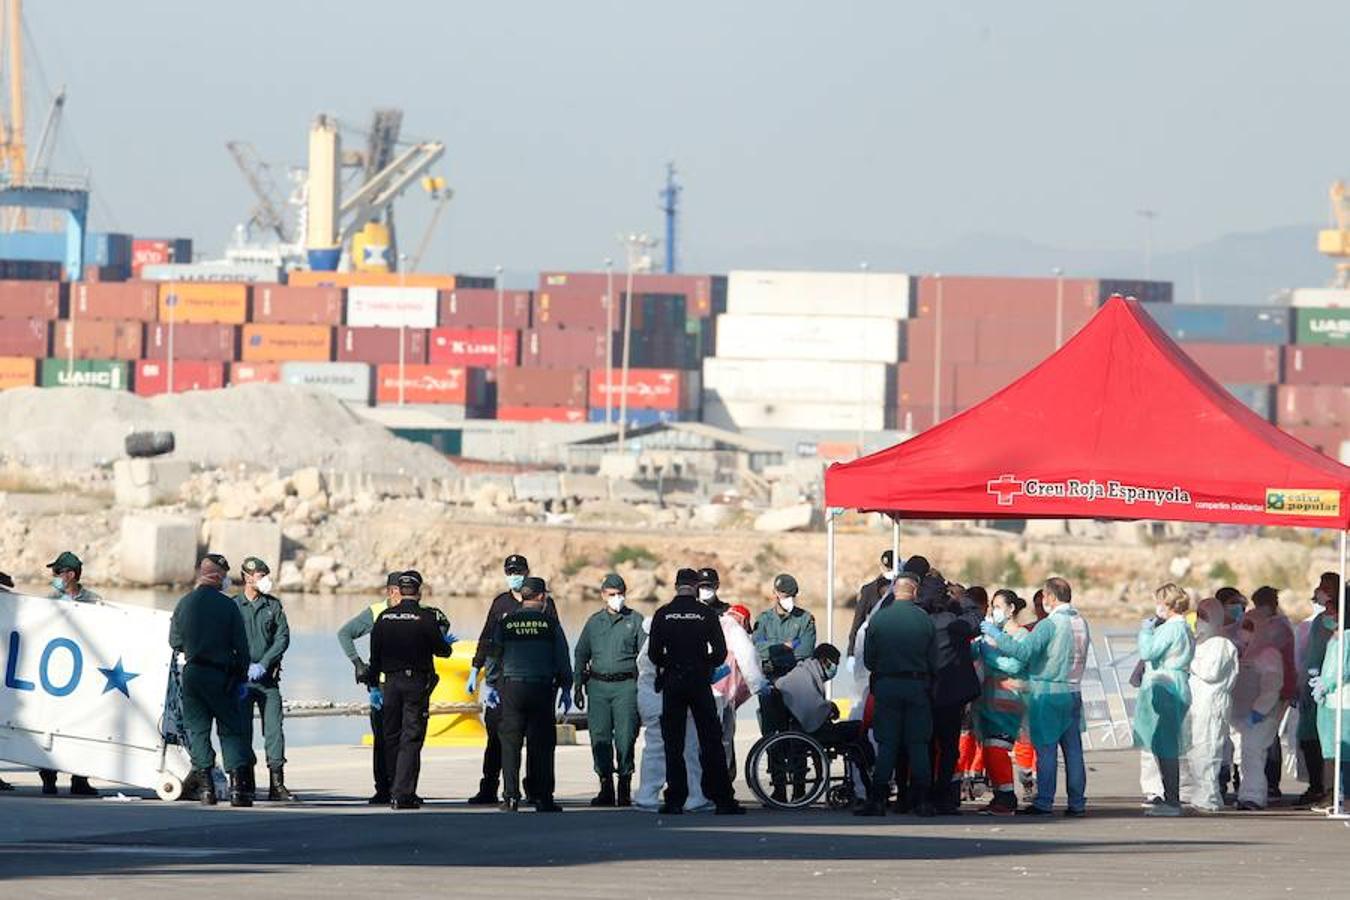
x=1323 y=326
x=112 y=375
x=449 y=441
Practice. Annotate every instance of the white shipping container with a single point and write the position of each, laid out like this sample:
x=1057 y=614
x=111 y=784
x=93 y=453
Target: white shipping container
x=858 y=338
x=347 y=381
x=252 y=273
x=392 y=307
x=1333 y=298
x=880 y=294
x=738 y=414
x=807 y=381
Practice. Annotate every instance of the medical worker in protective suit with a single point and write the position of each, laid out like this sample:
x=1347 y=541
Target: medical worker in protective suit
x=1257 y=707
x=1331 y=688
x=652 y=768
x=1166 y=647
x=1214 y=670
x=997 y=715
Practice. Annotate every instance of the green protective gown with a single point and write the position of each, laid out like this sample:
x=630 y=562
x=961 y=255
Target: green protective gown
x=1160 y=724
x=1055 y=654
x=1326 y=707
x=1002 y=704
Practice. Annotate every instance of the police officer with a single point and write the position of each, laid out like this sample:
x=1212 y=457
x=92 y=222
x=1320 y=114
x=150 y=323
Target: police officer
x=359 y=626
x=403 y=643
x=901 y=653
x=606 y=670
x=269 y=635
x=208 y=629
x=709 y=582
x=686 y=645
x=66 y=570
x=529 y=666
x=517 y=569
x=869 y=595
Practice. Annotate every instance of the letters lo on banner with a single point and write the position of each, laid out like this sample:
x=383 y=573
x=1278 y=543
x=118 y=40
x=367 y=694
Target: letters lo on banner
x=1302 y=502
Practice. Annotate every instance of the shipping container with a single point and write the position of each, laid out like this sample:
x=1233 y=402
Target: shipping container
x=662 y=350
x=808 y=338
x=477 y=308
x=28 y=270
x=152 y=376
x=915 y=383
x=285 y=343
x=543 y=387
x=1320 y=298
x=136 y=301
x=738 y=414
x=348 y=381
x=149 y=252
x=551 y=346
x=769 y=380
x=24 y=337
x=301 y=278
x=885 y=295
x=916 y=417
x=1072 y=301
x=1327 y=325
x=473 y=347
x=212 y=343
x=1326 y=441
x=203 y=302
x=1239 y=363
x=380 y=345
x=254 y=373
x=1315 y=405
x=636 y=418
x=665 y=389
x=392 y=307
x=1224 y=324
x=977 y=383
x=434 y=384
x=98 y=339
x=94 y=274
x=541 y=414
x=31 y=299
x=705 y=295
x=960 y=339
x=17 y=371
x=100 y=248
x=275 y=304
x=1312 y=364
x=108 y=374
x=214 y=272
x=1143 y=291
x=576 y=309
x=1259 y=398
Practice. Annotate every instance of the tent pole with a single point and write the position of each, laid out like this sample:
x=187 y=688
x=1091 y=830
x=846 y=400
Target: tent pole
x=1338 y=804
x=895 y=543
x=829 y=586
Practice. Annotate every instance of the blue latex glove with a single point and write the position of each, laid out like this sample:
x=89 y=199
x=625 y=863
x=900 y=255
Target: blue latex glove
x=242 y=692
x=376 y=698
x=796 y=642
x=450 y=639
x=491 y=698
x=766 y=690
x=1320 y=688
x=472 y=682
x=1149 y=624
x=720 y=672
x=989 y=629
x=255 y=671
x=1256 y=718
x=565 y=701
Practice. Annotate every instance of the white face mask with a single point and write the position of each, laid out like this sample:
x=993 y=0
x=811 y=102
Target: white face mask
x=787 y=603
x=706 y=594
x=1160 y=611
x=999 y=616
x=58 y=583
x=889 y=574
x=615 y=602
x=264 y=584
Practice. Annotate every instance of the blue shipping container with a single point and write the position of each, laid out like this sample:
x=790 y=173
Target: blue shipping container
x=637 y=418
x=100 y=248
x=1259 y=398
x=1224 y=324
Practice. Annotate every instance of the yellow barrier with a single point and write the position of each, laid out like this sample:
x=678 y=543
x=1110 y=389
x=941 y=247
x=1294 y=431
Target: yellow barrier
x=458 y=729
x=845 y=706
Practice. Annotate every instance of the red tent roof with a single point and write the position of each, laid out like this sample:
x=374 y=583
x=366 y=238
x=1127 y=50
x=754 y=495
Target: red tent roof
x=1119 y=423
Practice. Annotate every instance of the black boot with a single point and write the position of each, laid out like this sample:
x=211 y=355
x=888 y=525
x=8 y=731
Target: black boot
x=48 y=777
x=606 y=795
x=239 y=796
x=624 y=797
x=80 y=787
x=276 y=788
x=206 y=787
x=250 y=782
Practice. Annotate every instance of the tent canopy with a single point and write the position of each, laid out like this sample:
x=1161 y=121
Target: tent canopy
x=1119 y=423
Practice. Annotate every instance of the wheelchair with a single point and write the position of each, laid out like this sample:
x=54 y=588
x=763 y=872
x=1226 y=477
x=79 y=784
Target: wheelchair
x=792 y=769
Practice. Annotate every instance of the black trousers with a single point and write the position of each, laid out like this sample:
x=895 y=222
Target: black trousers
x=377 y=754
x=406 y=702
x=492 y=753
x=527 y=715
x=946 y=754
x=682 y=697
x=1313 y=762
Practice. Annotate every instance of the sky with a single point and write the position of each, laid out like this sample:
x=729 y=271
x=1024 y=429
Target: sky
x=807 y=133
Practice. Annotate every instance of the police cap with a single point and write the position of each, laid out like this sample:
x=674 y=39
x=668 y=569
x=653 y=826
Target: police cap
x=516 y=565
x=391 y=580
x=409 y=584
x=66 y=562
x=613 y=582
x=253 y=564
x=413 y=573
x=707 y=577
x=918 y=565
x=785 y=584
x=533 y=587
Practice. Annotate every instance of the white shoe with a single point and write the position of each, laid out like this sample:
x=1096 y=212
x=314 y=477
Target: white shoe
x=1164 y=810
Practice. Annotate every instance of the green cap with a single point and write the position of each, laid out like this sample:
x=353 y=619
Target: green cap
x=66 y=562
x=253 y=564
x=613 y=582
x=785 y=584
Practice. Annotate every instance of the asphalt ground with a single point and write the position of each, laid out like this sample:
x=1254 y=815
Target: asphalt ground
x=334 y=845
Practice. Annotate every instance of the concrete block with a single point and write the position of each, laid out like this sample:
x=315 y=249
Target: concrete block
x=142 y=483
x=583 y=487
x=631 y=492
x=714 y=515
x=238 y=538
x=1045 y=528
x=158 y=549
x=619 y=465
x=308 y=483
x=784 y=493
x=537 y=486
x=791 y=518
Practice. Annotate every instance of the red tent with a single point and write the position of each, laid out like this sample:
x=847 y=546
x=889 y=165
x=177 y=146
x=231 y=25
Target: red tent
x=1117 y=424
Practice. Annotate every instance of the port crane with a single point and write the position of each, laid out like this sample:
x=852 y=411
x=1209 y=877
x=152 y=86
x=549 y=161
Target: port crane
x=1335 y=242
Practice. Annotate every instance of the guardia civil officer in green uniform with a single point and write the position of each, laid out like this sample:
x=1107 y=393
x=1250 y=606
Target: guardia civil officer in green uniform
x=529 y=665
x=901 y=653
x=268 y=637
x=208 y=629
x=784 y=625
x=67 y=569
x=359 y=626
x=606 y=673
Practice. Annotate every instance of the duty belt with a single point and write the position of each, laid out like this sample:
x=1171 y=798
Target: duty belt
x=907 y=676
x=612 y=677
x=212 y=664
x=409 y=673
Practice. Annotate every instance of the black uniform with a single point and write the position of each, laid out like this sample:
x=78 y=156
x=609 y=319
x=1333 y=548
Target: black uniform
x=402 y=644
x=955 y=684
x=530 y=665
x=686 y=644
x=503 y=604
x=869 y=595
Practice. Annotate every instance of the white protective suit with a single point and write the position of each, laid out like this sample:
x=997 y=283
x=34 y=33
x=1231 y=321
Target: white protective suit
x=743 y=682
x=1214 y=671
x=652 y=770
x=1259 y=682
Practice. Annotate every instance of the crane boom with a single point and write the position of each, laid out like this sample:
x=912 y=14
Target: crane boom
x=267 y=213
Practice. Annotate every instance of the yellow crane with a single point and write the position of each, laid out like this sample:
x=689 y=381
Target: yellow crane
x=13 y=150
x=1335 y=242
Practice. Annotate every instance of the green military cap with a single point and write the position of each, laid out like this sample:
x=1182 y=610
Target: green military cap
x=253 y=564
x=785 y=584
x=613 y=582
x=66 y=562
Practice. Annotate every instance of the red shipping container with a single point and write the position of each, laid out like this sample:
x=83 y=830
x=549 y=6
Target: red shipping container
x=647 y=389
x=202 y=341
x=129 y=300
x=277 y=304
x=977 y=383
x=31 y=299
x=914 y=384
x=23 y=337
x=564 y=348
x=423 y=384
x=149 y=252
x=473 y=347
x=254 y=373
x=380 y=345
x=152 y=376
x=1316 y=405
x=1325 y=440
x=98 y=339
x=918 y=417
x=973 y=296
x=698 y=290
x=477 y=308
x=541 y=414
x=543 y=387
x=1311 y=364
x=960 y=340
x=1237 y=363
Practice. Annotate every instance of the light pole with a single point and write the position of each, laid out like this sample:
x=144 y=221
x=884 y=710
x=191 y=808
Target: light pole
x=402 y=320
x=609 y=341
x=862 y=381
x=638 y=247
x=497 y=369
x=937 y=351
x=171 y=301
x=1059 y=306
x=1148 y=215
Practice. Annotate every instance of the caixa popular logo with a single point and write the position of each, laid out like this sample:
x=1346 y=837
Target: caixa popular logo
x=60 y=668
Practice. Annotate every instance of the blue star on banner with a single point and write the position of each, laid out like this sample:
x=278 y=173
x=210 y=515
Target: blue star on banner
x=118 y=678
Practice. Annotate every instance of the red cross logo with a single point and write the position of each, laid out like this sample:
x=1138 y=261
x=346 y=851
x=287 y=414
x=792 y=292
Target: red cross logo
x=1005 y=487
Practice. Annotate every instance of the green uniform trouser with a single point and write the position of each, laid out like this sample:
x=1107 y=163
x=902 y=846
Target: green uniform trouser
x=209 y=695
x=903 y=719
x=612 y=719
x=266 y=698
